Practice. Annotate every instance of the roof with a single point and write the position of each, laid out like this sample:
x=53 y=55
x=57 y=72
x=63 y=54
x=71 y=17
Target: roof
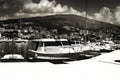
x=47 y=40
x=61 y=39
x=21 y=40
x=44 y=40
x=11 y=40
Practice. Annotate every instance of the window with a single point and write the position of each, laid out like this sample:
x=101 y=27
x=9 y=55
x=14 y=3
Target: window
x=65 y=43
x=77 y=42
x=59 y=43
x=50 y=44
x=34 y=45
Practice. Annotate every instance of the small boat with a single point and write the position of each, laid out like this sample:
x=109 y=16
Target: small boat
x=107 y=46
x=13 y=49
x=87 y=50
x=77 y=46
x=117 y=44
x=92 y=49
x=52 y=49
x=12 y=57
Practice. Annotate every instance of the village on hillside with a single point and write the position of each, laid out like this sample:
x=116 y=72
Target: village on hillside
x=29 y=30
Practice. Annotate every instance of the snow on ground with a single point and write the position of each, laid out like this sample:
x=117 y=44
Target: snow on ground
x=91 y=69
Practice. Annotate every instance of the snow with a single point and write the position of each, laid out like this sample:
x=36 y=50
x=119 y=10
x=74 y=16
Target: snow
x=90 y=69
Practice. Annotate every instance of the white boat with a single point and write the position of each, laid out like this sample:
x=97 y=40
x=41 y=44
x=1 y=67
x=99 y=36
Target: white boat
x=77 y=46
x=12 y=56
x=107 y=46
x=52 y=49
x=91 y=49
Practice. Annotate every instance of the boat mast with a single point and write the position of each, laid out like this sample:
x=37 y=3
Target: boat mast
x=86 y=21
x=20 y=18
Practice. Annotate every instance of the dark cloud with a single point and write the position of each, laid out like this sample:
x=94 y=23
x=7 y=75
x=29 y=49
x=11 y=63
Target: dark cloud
x=30 y=8
x=36 y=1
x=9 y=7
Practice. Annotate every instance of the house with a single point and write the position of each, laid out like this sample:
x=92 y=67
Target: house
x=1 y=31
x=84 y=32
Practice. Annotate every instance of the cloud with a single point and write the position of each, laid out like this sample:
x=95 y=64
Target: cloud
x=104 y=15
x=45 y=7
x=117 y=15
x=9 y=7
x=31 y=8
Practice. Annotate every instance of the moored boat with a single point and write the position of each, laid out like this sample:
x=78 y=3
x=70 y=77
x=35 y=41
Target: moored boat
x=52 y=49
x=107 y=46
x=77 y=46
x=13 y=49
x=92 y=49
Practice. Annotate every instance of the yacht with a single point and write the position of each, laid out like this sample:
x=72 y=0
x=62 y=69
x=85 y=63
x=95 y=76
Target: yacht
x=52 y=49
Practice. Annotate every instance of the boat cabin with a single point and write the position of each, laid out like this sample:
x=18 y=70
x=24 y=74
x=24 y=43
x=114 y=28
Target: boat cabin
x=51 y=45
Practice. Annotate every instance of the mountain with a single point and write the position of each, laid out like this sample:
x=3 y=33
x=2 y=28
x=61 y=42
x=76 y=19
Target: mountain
x=67 y=23
x=58 y=21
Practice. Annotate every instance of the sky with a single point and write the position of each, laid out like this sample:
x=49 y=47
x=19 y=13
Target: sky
x=101 y=10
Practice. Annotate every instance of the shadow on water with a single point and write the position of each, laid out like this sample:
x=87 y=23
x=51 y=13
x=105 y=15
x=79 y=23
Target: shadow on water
x=51 y=61
x=65 y=61
x=58 y=62
x=12 y=60
x=83 y=57
x=36 y=60
x=117 y=61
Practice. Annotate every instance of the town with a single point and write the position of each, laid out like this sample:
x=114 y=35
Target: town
x=29 y=30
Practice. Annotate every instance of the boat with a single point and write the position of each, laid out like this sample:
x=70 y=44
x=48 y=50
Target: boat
x=88 y=50
x=77 y=46
x=92 y=49
x=107 y=46
x=117 y=44
x=12 y=57
x=13 y=49
x=52 y=49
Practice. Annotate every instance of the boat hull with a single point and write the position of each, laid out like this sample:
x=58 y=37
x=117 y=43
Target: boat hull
x=105 y=50
x=91 y=53
x=60 y=56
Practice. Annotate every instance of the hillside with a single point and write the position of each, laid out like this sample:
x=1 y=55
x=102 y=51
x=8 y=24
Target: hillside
x=58 y=21
x=66 y=24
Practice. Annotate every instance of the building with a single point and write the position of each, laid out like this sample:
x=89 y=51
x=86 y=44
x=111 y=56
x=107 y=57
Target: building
x=1 y=31
x=84 y=32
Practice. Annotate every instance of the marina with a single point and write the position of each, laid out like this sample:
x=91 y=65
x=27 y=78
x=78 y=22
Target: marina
x=49 y=49
x=59 y=39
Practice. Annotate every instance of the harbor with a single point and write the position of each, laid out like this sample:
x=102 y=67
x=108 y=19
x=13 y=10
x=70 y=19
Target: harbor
x=51 y=50
x=59 y=39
